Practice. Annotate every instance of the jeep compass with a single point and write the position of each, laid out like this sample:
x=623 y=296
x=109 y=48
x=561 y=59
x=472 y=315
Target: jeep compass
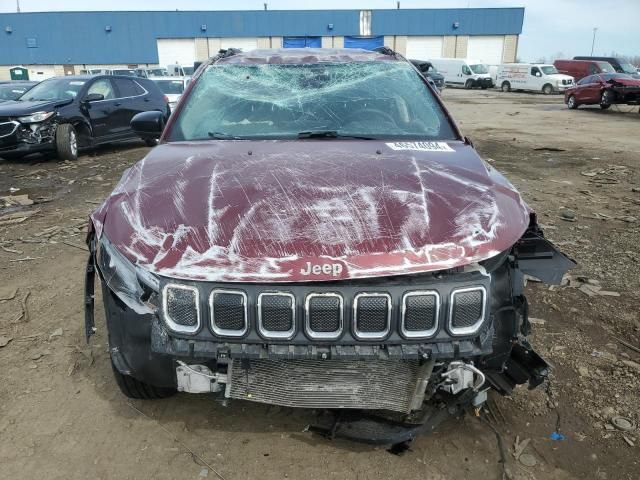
x=314 y=231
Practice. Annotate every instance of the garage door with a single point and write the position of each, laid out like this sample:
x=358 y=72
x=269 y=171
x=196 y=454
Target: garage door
x=424 y=48
x=368 y=43
x=302 y=42
x=486 y=49
x=245 y=44
x=176 y=50
x=41 y=72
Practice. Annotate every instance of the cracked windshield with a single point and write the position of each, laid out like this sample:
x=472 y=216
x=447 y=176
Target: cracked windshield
x=361 y=100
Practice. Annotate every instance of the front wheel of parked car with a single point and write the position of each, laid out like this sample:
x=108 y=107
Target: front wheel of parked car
x=505 y=87
x=572 y=102
x=547 y=89
x=606 y=99
x=468 y=84
x=133 y=388
x=66 y=142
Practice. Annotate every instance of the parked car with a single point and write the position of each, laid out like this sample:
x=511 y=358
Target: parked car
x=126 y=72
x=427 y=69
x=463 y=72
x=176 y=70
x=313 y=230
x=619 y=65
x=12 y=90
x=97 y=71
x=605 y=90
x=579 y=69
x=532 y=77
x=172 y=87
x=156 y=72
x=66 y=113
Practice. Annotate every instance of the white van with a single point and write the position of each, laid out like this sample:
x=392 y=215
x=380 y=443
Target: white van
x=463 y=72
x=535 y=77
x=176 y=70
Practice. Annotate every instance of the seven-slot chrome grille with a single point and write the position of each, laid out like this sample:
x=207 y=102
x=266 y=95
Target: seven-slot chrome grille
x=344 y=315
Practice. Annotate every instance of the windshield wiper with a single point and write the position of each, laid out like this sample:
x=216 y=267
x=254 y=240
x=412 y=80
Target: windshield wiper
x=330 y=134
x=223 y=136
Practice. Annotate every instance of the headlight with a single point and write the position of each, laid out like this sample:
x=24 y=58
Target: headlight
x=36 y=117
x=132 y=284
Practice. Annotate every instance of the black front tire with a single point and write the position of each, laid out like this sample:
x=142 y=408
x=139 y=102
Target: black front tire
x=66 y=142
x=547 y=89
x=505 y=87
x=136 y=389
x=572 y=103
x=606 y=99
x=468 y=84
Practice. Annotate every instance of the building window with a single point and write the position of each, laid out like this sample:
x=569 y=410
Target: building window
x=365 y=22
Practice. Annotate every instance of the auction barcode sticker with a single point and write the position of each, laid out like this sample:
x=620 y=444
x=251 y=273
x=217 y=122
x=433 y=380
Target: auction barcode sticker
x=421 y=146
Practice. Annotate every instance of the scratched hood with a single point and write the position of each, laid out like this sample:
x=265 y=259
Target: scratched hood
x=282 y=211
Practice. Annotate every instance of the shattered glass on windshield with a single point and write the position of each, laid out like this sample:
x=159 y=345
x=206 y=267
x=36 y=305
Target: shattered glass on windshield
x=372 y=99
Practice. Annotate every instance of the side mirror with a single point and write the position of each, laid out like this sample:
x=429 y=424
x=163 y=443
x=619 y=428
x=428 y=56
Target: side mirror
x=148 y=124
x=94 y=97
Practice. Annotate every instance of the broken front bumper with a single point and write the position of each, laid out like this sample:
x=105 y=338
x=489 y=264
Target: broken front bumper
x=16 y=137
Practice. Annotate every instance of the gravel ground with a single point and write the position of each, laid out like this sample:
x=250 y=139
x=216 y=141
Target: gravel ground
x=62 y=417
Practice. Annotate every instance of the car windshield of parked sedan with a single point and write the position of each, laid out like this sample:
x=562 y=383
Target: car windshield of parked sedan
x=549 y=70
x=627 y=68
x=170 y=87
x=54 y=89
x=479 y=68
x=12 y=92
x=359 y=99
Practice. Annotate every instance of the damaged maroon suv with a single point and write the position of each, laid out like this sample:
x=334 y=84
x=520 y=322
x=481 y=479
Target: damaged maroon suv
x=314 y=231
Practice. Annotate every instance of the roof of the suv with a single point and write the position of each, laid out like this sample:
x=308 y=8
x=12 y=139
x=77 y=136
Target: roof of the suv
x=306 y=55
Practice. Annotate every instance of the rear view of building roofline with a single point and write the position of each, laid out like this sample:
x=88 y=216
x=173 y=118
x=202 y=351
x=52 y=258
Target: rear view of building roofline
x=103 y=40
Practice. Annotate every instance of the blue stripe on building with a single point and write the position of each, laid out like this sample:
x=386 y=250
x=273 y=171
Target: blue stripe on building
x=130 y=37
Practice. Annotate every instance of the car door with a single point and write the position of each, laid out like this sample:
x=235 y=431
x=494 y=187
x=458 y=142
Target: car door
x=535 y=78
x=100 y=112
x=592 y=89
x=131 y=100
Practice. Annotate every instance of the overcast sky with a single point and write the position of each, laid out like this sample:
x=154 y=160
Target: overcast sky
x=551 y=27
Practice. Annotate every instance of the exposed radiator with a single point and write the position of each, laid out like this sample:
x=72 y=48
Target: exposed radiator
x=378 y=385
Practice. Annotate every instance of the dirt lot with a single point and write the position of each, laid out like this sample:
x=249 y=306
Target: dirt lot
x=62 y=417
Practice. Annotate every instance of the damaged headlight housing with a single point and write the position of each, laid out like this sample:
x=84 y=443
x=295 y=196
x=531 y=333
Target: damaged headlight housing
x=135 y=286
x=36 y=117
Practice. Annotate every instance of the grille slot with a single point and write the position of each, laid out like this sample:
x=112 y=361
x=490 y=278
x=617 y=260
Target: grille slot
x=276 y=315
x=7 y=128
x=229 y=313
x=379 y=384
x=372 y=315
x=420 y=312
x=181 y=307
x=324 y=315
x=466 y=310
